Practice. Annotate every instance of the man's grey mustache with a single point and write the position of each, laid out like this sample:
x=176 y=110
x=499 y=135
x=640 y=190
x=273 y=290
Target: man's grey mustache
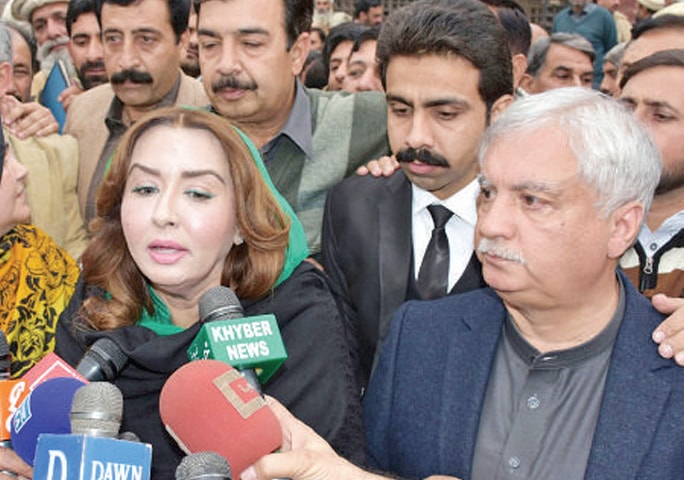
x=488 y=246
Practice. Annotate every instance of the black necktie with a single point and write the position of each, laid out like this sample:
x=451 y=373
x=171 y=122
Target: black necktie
x=434 y=270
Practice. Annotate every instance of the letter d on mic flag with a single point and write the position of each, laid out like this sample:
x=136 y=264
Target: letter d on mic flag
x=81 y=457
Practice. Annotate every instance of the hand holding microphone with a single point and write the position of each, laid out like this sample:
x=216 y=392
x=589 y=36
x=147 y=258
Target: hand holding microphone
x=304 y=455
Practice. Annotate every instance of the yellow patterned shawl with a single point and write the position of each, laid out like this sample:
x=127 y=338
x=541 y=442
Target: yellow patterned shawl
x=37 y=279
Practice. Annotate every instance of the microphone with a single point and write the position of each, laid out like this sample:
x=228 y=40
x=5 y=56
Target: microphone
x=92 y=451
x=206 y=405
x=252 y=345
x=204 y=466
x=97 y=410
x=5 y=357
x=9 y=395
x=13 y=392
x=45 y=410
x=103 y=361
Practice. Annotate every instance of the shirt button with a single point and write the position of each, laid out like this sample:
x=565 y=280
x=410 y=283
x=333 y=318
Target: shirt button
x=514 y=462
x=653 y=247
x=533 y=402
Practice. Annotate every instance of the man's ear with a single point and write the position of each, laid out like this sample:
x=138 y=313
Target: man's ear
x=519 y=67
x=527 y=83
x=499 y=106
x=625 y=224
x=5 y=77
x=298 y=52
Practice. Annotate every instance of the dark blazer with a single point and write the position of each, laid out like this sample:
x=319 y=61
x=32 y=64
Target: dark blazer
x=422 y=408
x=368 y=251
x=315 y=383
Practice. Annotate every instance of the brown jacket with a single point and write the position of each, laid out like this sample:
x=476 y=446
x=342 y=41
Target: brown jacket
x=86 y=121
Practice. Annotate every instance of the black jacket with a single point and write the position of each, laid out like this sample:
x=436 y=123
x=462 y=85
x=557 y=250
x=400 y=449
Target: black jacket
x=316 y=383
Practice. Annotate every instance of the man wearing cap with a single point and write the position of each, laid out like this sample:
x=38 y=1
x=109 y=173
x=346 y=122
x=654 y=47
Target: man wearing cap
x=594 y=23
x=646 y=8
x=48 y=20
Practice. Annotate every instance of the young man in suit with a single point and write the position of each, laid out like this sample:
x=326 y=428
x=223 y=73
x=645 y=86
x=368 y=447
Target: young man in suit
x=444 y=84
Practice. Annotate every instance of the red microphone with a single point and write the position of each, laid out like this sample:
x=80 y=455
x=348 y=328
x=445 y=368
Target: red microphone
x=206 y=405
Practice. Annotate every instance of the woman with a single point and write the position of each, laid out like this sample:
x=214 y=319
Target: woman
x=185 y=208
x=37 y=278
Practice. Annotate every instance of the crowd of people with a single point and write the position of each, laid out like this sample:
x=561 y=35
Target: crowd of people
x=469 y=230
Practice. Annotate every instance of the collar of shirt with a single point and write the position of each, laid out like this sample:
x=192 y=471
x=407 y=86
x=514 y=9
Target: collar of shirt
x=588 y=8
x=297 y=126
x=114 y=118
x=462 y=203
x=654 y=241
x=460 y=228
x=571 y=356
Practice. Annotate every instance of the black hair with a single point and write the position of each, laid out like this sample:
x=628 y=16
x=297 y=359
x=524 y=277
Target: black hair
x=179 y=12
x=77 y=8
x=466 y=28
x=362 y=6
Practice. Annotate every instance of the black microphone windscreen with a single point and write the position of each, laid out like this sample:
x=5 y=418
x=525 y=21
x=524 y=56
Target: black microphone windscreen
x=219 y=303
x=103 y=361
x=96 y=410
x=203 y=465
x=5 y=358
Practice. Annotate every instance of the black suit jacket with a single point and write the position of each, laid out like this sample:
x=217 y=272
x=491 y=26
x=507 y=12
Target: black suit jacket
x=367 y=252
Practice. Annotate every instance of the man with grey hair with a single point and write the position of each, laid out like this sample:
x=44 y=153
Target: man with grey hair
x=52 y=162
x=594 y=23
x=611 y=67
x=561 y=60
x=550 y=373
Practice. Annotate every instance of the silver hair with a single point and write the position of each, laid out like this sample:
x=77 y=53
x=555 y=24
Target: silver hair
x=615 y=54
x=614 y=152
x=5 y=45
x=536 y=57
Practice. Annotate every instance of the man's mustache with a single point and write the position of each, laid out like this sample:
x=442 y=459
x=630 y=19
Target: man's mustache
x=231 y=81
x=134 y=76
x=96 y=65
x=45 y=49
x=491 y=247
x=423 y=155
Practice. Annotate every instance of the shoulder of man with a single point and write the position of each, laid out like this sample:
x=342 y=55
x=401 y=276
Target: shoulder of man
x=191 y=92
x=370 y=101
x=95 y=101
x=64 y=147
x=362 y=189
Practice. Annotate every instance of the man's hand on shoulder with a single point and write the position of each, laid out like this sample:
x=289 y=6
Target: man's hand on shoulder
x=68 y=95
x=382 y=167
x=25 y=120
x=669 y=335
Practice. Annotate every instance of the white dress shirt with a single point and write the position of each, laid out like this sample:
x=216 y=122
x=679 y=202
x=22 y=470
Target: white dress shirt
x=460 y=228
